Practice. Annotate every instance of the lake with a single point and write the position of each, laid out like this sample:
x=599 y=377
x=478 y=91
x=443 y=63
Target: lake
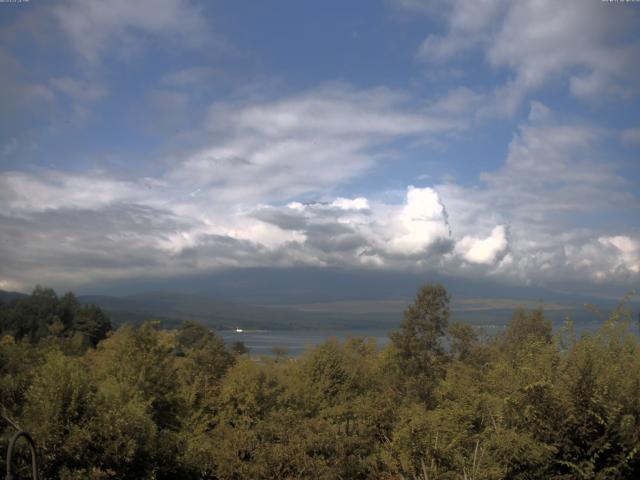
x=262 y=342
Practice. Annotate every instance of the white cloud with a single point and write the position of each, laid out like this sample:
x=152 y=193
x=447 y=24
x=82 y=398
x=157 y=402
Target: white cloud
x=359 y=203
x=335 y=110
x=542 y=40
x=260 y=195
x=22 y=193
x=281 y=149
x=484 y=250
x=460 y=100
x=628 y=251
x=79 y=90
x=205 y=201
x=420 y=223
x=95 y=27
x=357 y=232
x=583 y=45
x=75 y=96
x=188 y=77
x=554 y=167
x=469 y=27
x=79 y=230
x=555 y=174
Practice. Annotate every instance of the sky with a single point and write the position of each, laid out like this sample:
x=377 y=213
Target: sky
x=489 y=140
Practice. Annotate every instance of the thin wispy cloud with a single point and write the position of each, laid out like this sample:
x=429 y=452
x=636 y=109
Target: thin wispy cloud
x=124 y=29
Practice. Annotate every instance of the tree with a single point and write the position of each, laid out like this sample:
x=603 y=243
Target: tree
x=30 y=317
x=68 y=308
x=58 y=404
x=43 y=314
x=239 y=348
x=91 y=322
x=464 y=341
x=417 y=345
x=193 y=335
x=527 y=329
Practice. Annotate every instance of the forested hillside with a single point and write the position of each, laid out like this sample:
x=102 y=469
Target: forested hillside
x=436 y=403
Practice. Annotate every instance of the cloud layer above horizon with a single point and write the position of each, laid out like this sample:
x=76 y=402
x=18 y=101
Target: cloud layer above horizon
x=503 y=142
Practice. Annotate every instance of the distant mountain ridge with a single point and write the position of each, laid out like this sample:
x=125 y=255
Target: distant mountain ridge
x=6 y=296
x=298 y=285
x=337 y=298
x=172 y=308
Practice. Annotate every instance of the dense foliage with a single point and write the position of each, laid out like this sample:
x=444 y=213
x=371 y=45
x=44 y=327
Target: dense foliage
x=436 y=403
x=43 y=314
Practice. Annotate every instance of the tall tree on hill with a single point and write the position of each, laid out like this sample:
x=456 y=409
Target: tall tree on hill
x=417 y=345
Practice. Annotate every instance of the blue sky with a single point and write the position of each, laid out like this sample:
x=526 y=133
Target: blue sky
x=488 y=140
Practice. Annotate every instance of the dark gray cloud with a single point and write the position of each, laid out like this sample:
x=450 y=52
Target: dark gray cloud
x=74 y=246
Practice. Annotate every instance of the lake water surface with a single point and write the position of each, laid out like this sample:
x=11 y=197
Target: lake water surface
x=262 y=342
x=295 y=342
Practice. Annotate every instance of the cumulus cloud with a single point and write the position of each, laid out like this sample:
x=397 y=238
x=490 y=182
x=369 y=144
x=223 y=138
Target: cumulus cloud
x=484 y=251
x=610 y=259
x=359 y=203
x=72 y=241
x=552 y=169
x=554 y=172
x=420 y=223
x=628 y=251
x=261 y=179
x=260 y=153
x=381 y=234
x=259 y=194
x=126 y=233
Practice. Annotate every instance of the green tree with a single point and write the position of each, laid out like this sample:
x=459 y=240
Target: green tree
x=91 y=322
x=43 y=314
x=527 y=327
x=463 y=342
x=59 y=403
x=239 y=348
x=418 y=349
